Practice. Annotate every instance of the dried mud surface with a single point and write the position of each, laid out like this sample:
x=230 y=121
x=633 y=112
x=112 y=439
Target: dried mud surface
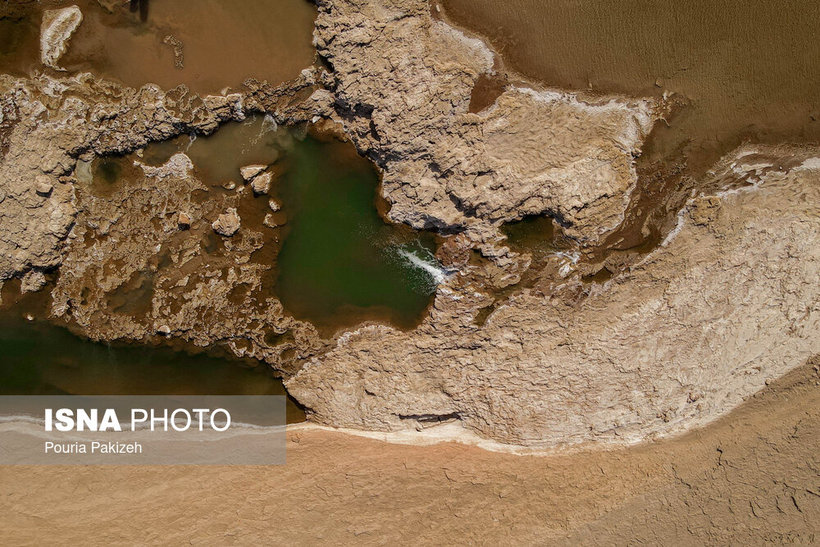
x=750 y=477
x=597 y=340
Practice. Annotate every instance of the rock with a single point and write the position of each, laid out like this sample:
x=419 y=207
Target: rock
x=227 y=224
x=250 y=171
x=43 y=188
x=183 y=220
x=48 y=122
x=230 y=185
x=179 y=165
x=164 y=330
x=270 y=221
x=55 y=31
x=177 y=46
x=619 y=366
x=261 y=183
x=33 y=281
x=444 y=166
x=569 y=364
x=274 y=205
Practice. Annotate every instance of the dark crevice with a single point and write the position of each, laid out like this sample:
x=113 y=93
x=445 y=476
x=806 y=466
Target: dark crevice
x=430 y=418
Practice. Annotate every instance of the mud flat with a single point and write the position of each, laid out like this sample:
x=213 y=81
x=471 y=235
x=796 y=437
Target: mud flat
x=552 y=346
x=746 y=478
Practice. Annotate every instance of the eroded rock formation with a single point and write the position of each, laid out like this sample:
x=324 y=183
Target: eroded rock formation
x=676 y=337
x=58 y=26
x=726 y=304
x=403 y=83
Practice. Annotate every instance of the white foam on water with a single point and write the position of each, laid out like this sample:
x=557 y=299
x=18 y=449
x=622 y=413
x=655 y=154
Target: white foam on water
x=268 y=124
x=436 y=272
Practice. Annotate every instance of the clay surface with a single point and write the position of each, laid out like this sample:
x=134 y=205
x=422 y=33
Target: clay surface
x=748 y=478
x=530 y=348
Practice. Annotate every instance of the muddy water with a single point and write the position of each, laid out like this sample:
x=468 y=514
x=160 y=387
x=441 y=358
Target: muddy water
x=751 y=70
x=205 y=44
x=19 y=40
x=335 y=261
x=40 y=358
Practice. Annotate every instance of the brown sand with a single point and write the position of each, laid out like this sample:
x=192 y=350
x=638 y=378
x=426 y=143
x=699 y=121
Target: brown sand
x=748 y=69
x=750 y=477
x=220 y=44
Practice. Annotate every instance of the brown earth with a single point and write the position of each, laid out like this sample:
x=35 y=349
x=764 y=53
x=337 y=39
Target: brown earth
x=557 y=360
x=746 y=71
x=750 y=477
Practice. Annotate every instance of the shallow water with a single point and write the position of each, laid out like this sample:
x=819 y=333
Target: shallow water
x=751 y=69
x=533 y=234
x=219 y=43
x=336 y=261
x=40 y=358
x=19 y=36
x=340 y=261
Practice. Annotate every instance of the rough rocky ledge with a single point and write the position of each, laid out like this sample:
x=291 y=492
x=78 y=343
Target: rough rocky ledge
x=403 y=83
x=728 y=302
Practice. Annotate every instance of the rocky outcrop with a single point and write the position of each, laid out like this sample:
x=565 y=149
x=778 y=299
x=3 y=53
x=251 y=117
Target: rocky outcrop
x=143 y=260
x=727 y=303
x=46 y=124
x=403 y=83
x=228 y=223
x=56 y=30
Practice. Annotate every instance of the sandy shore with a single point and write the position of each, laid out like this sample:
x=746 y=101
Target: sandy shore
x=750 y=477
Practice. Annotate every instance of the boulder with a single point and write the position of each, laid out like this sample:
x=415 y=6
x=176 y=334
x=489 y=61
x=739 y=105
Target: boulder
x=270 y=221
x=33 y=281
x=249 y=172
x=183 y=220
x=43 y=188
x=227 y=224
x=261 y=184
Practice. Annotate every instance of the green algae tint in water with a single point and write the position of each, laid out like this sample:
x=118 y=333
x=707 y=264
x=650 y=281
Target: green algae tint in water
x=39 y=358
x=340 y=263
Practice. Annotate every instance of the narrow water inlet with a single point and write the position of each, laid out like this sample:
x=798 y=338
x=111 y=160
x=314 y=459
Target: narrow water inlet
x=340 y=262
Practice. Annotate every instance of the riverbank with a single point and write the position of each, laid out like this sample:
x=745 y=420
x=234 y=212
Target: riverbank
x=549 y=348
x=746 y=478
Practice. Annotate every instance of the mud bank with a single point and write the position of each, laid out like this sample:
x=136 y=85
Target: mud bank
x=746 y=478
x=533 y=349
x=741 y=71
